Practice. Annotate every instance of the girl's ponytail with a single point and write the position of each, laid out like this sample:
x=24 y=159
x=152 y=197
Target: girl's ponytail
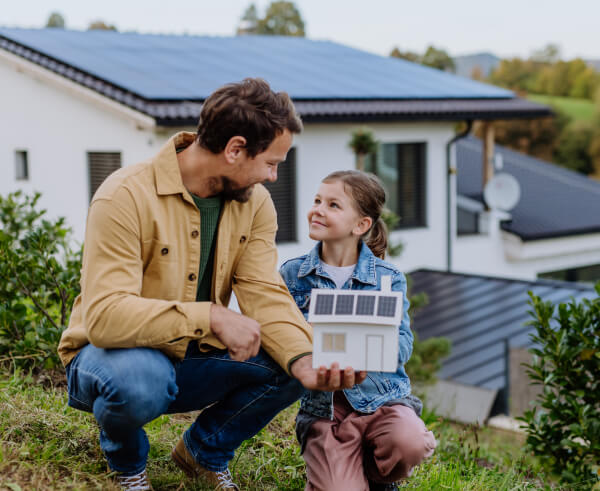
x=377 y=238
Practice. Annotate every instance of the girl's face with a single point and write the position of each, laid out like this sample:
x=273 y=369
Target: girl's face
x=333 y=215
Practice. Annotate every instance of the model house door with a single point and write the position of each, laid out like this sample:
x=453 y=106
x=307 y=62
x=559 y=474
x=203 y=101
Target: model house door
x=374 y=353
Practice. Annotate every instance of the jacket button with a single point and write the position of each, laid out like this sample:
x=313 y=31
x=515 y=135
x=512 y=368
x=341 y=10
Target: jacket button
x=195 y=234
x=192 y=277
x=198 y=332
x=164 y=251
x=242 y=239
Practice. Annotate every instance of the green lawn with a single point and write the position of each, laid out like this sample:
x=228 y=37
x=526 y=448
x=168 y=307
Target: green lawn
x=46 y=445
x=577 y=109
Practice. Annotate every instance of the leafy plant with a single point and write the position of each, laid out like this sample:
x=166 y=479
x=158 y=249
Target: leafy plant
x=362 y=143
x=564 y=427
x=39 y=279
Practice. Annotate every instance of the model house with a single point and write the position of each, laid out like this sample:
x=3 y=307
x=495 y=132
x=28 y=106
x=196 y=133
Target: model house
x=356 y=328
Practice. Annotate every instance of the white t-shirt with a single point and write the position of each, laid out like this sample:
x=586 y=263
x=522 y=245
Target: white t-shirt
x=339 y=274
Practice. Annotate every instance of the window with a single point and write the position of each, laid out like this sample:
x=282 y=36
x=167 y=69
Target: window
x=468 y=213
x=401 y=168
x=584 y=274
x=283 y=192
x=21 y=165
x=334 y=342
x=100 y=166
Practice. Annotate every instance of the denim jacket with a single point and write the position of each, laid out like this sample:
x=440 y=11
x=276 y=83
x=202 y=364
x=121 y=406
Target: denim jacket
x=304 y=273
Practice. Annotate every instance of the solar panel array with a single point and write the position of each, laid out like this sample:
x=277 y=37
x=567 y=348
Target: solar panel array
x=365 y=304
x=174 y=67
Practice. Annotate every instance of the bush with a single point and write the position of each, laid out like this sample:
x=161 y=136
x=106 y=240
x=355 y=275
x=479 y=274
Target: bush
x=564 y=427
x=39 y=279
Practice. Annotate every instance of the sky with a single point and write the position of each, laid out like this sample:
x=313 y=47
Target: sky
x=506 y=28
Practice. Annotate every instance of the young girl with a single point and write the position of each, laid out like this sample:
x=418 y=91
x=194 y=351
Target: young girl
x=370 y=436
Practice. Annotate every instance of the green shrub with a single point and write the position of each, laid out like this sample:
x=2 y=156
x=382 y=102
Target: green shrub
x=39 y=279
x=564 y=427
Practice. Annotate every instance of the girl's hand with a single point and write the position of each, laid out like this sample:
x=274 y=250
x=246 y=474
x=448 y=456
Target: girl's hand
x=327 y=380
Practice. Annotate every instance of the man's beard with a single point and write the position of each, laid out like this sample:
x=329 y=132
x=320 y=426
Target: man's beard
x=232 y=193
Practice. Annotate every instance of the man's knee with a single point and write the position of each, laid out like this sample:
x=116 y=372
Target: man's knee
x=128 y=386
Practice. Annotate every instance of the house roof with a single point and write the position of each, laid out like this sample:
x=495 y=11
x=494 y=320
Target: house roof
x=555 y=201
x=168 y=76
x=477 y=314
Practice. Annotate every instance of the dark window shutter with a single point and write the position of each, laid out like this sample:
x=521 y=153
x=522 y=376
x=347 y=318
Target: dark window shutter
x=283 y=192
x=100 y=166
x=411 y=185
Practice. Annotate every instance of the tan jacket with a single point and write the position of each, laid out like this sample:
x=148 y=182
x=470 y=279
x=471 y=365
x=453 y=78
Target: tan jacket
x=140 y=267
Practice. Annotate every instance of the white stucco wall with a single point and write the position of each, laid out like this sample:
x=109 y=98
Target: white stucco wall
x=57 y=126
x=499 y=253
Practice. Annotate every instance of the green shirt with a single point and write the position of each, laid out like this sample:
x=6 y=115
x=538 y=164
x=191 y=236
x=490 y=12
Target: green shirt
x=210 y=209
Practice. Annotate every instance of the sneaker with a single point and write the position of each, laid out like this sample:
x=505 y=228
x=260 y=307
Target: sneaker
x=184 y=460
x=137 y=482
x=376 y=486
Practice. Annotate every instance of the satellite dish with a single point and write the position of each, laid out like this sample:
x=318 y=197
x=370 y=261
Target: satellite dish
x=502 y=192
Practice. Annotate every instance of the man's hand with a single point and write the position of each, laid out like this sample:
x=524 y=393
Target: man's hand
x=240 y=334
x=324 y=379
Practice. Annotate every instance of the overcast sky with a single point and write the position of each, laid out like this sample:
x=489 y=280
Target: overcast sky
x=506 y=28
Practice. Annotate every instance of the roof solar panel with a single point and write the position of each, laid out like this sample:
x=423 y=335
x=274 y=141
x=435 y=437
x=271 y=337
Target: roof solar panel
x=365 y=305
x=387 y=306
x=173 y=67
x=344 y=304
x=324 y=305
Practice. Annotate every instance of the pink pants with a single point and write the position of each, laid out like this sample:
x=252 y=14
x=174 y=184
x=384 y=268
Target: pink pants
x=382 y=447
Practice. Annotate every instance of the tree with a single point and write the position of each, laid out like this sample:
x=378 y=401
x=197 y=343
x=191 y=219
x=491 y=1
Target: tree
x=282 y=19
x=100 y=25
x=55 y=19
x=573 y=150
x=548 y=54
x=405 y=55
x=438 y=58
x=249 y=21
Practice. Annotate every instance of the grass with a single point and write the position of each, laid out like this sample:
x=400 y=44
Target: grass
x=46 y=445
x=576 y=109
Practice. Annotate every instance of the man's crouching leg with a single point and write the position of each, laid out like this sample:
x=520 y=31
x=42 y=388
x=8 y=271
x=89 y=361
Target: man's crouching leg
x=248 y=394
x=124 y=389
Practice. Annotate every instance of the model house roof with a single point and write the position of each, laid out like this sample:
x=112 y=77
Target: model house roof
x=481 y=316
x=168 y=76
x=356 y=307
x=555 y=201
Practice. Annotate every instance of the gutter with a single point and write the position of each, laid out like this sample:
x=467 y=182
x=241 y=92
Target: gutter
x=450 y=172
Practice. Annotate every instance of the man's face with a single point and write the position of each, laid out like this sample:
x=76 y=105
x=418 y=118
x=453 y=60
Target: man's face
x=258 y=169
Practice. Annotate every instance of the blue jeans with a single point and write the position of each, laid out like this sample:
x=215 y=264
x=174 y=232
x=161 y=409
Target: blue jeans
x=127 y=388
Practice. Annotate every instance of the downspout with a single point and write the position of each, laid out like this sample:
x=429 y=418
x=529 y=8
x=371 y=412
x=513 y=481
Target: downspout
x=450 y=172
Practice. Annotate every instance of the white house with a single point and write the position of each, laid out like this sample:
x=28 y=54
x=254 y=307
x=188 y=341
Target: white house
x=357 y=328
x=77 y=105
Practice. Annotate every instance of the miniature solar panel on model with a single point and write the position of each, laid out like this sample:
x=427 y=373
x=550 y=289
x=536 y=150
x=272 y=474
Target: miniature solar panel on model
x=356 y=328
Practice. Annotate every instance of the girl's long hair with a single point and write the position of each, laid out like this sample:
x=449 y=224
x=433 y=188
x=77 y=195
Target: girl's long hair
x=368 y=197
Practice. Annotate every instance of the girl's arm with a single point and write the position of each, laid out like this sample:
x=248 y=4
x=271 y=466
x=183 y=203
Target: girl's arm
x=405 y=338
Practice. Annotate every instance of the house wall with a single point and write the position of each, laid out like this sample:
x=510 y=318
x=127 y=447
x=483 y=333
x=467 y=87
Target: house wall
x=323 y=148
x=498 y=253
x=57 y=124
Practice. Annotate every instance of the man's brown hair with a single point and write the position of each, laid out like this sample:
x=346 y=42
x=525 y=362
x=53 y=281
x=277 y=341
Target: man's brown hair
x=250 y=109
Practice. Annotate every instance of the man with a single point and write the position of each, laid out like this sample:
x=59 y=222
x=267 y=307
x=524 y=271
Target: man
x=166 y=242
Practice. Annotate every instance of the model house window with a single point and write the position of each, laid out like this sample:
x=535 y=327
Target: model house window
x=100 y=166
x=401 y=168
x=21 y=165
x=283 y=192
x=334 y=342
